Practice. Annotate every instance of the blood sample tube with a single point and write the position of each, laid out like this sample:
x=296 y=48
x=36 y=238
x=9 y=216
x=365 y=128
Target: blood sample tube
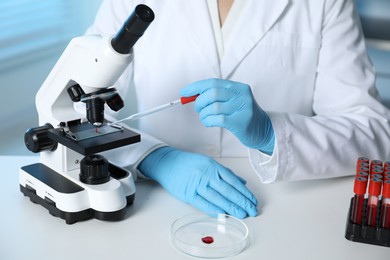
x=359 y=189
x=385 y=211
x=363 y=169
x=362 y=162
x=374 y=190
x=362 y=159
x=386 y=164
x=376 y=172
x=375 y=163
x=386 y=175
x=363 y=174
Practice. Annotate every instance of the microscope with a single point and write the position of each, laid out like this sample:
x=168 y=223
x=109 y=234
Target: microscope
x=72 y=180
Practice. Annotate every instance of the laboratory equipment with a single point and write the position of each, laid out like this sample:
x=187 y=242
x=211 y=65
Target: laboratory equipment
x=385 y=211
x=72 y=180
x=208 y=237
x=368 y=215
x=358 y=200
x=374 y=190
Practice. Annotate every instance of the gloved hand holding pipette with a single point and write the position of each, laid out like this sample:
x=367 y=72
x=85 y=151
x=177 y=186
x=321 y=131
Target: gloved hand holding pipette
x=199 y=180
x=231 y=105
x=194 y=178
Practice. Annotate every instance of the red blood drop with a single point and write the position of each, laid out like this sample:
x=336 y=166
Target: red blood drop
x=207 y=240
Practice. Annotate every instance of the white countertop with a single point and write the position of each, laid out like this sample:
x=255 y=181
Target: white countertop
x=300 y=220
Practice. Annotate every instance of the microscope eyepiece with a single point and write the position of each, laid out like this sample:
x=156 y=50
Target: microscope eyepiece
x=132 y=29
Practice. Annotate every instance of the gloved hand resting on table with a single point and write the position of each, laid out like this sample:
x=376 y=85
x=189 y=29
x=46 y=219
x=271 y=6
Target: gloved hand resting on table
x=200 y=181
x=231 y=105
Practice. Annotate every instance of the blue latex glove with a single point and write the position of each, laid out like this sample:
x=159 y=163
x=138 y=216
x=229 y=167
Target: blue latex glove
x=200 y=181
x=231 y=105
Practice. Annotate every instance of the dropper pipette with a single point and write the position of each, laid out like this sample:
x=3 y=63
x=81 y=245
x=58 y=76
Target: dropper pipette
x=182 y=101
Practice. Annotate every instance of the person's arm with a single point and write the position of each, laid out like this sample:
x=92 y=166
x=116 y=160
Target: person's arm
x=193 y=178
x=349 y=120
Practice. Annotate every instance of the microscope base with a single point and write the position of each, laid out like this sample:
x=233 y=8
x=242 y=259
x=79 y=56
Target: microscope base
x=73 y=217
x=48 y=183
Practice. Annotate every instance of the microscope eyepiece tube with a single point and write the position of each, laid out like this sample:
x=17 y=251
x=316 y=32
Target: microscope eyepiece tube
x=132 y=29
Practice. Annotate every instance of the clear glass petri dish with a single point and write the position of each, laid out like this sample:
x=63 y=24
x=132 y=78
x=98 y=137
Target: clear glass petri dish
x=204 y=236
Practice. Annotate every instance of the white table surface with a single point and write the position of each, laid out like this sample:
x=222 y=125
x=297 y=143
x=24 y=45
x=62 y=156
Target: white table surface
x=299 y=220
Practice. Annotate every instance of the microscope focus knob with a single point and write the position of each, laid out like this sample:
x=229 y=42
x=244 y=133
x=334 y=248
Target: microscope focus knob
x=75 y=92
x=37 y=140
x=94 y=169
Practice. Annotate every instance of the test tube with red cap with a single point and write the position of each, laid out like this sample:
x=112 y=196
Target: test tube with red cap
x=376 y=163
x=385 y=211
x=374 y=190
x=376 y=172
x=362 y=159
x=363 y=169
x=386 y=175
x=359 y=189
x=363 y=174
x=386 y=164
x=362 y=162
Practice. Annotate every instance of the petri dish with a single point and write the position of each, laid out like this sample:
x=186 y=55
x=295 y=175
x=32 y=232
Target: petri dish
x=204 y=236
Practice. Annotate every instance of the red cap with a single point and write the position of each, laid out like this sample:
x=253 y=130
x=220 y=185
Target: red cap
x=362 y=159
x=185 y=100
x=363 y=169
x=375 y=187
x=376 y=163
x=360 y=185
x=386 y=164
x=376 y=170
x=362 y=174
x=376 y=176
x=386 y=175
x=362 y=162
x=386 y=189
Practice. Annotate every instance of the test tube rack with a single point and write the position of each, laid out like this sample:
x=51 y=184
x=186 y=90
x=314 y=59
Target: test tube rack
x=364 y=233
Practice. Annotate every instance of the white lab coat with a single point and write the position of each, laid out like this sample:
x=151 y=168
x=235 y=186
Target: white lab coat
x=305 y=61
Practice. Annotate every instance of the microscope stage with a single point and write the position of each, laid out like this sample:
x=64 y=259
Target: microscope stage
x=94 y=144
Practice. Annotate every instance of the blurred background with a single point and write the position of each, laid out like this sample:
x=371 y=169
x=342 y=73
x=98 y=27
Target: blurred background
x=33 y=35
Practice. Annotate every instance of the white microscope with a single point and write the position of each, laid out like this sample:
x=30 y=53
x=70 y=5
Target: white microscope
x=72 y=180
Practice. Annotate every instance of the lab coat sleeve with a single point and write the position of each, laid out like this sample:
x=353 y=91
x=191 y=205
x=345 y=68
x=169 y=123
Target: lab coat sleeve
x=108 y=21
x=348 y=120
